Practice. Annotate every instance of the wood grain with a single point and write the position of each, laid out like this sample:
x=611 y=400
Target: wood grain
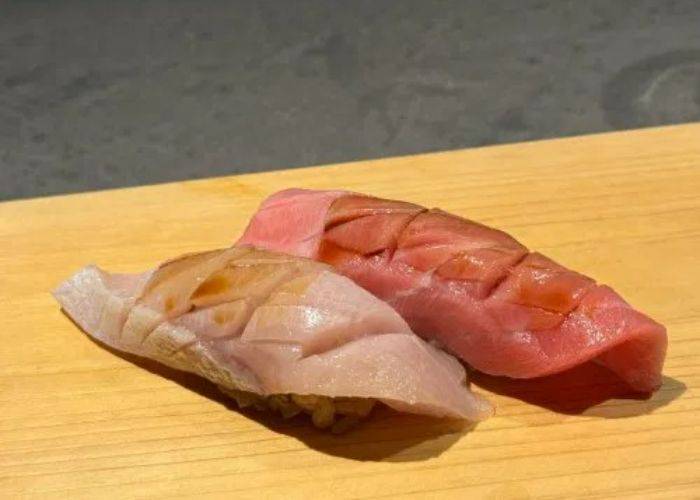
x=80 y=421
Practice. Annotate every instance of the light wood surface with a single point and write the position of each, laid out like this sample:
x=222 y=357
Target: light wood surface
x=78 y=421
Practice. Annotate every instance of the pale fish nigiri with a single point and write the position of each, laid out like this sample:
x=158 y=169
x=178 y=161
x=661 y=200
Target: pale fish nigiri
x=275 y=331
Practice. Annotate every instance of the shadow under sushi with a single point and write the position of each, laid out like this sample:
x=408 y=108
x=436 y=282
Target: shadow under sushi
x=588 y=389
x=384 y=436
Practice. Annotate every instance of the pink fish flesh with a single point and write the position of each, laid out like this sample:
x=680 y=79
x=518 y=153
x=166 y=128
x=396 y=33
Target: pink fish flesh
x=474 y=289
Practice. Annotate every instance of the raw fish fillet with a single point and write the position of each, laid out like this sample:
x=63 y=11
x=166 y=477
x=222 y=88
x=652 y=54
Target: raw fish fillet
x=474 y=289
x=272 y=330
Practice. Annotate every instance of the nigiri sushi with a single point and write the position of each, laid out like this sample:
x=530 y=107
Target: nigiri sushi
x=273 y=331
x=476 y=290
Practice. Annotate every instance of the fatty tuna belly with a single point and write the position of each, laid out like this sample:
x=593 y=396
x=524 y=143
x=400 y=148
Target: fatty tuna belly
x=474 y=289
x=294 y=219
x=501 y=338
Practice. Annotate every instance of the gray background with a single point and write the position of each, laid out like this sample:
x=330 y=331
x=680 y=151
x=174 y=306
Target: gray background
x=104 y=93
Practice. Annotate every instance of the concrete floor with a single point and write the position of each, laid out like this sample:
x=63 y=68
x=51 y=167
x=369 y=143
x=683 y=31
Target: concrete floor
x=104 y=94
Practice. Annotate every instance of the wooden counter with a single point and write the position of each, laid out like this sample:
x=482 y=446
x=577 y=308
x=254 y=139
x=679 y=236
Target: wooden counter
x=79 y=421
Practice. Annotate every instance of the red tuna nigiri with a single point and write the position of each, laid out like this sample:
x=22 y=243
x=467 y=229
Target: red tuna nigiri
x=474 y=289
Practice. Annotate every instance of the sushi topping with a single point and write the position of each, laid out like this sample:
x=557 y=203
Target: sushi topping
x=275 y=332
x=475 y=289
